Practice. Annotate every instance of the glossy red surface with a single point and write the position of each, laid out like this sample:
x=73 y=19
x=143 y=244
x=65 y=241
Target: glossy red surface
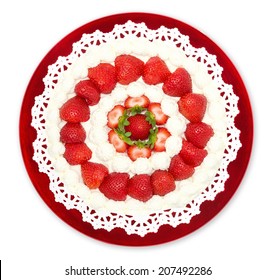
x=209 y=209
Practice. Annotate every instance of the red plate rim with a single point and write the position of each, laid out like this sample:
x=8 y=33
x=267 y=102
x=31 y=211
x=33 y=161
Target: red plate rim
x=166 y=233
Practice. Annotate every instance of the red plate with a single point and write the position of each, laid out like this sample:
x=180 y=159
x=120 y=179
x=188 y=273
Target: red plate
x=166 y=233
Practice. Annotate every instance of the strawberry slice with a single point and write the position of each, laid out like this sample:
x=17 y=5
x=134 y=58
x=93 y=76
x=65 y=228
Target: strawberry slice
x=114 y=186
x=162 y=182
x=72 y=133
x=93 y=174
x=88 y=90
x=178 y=83
x=198 y=133
x=162 y=136
x=114 y=115
x=77 y=153
x=155 y=71
x=140 y=188
x=193 y=106
x=103 y=76
x=128 y=68
x=134 y=152
x=142 y=101
x=192 y=155
x=75 y=110
x=160 y=117
x=119 y=144
x=179 y=169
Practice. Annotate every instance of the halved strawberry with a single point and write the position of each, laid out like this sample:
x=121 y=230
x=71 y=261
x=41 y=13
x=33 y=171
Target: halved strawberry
x=162 y=136
x=77 y=153
x=155 y=71
x=89 y=91
x=114 y=115
x=179 y=169
x=142 y=101
x=103 y=76
x=72 y=133
x=75 y=110
x=114 y=186
x=178 y=83
x=191 y=154
x=160 y=117
x=134 y=152
x=193 y=106
x=198 y=133
x=119 y=144
x=128 y=68
x=162 y=182
x=139 y=187
x=93 y=174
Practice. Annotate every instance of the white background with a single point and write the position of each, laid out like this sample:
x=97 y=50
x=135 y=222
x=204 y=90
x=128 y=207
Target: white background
x=237 y=244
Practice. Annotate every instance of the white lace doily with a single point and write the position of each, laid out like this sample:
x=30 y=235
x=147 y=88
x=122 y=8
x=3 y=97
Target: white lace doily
x=144 y=224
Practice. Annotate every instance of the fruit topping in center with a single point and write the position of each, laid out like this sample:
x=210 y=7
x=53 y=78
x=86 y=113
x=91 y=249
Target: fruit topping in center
x=139 y=127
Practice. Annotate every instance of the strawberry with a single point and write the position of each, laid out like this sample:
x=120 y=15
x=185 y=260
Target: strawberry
x=139 y=187
x=178 y=83
x=77 y=153
x=114 y=115
x=88 y=90
x=193 y=106
x=72 y=133
x=75 y=110
x=198 y=133
x=134 y=152
x=162 y=182
x=155 y=71
x=179 y=169
x=142 y=101
x=139 y=127
x=128 y=68
x=93 y=174
x=103 y=76
x=192 y=155
x=160 y=117
x=162 y=136
x=114 y=186
x=119 y=144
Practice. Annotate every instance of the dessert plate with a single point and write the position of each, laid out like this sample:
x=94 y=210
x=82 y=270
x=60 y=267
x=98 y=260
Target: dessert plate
x=208 y=209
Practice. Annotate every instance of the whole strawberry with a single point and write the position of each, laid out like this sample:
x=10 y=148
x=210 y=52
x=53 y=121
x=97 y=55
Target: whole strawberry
x=89 y=91
x=114 y=186
x=162 y=182
x=72 y=133
x=77 y=153
x=128 y=68
x=139 y=187
x=179 y=169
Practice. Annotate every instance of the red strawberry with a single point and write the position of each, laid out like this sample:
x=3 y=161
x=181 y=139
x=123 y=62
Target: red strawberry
x=192 y=106
x=162 y=136
x=114 y=115
x=88 y=90
x=128 y=68
x=179 y=169
x=192 y=155
x=77 y=153
x=114 y=186
x=160 y=117
x=139 y=127
x=155 y=71
x=139 y=187
x=75 y=110
x=178 y=83
x=104 y=77
x=162 y=182
x=134 y=152
x=119 y=144
x=72 y=133
x=198 y=133
x=142 y=101
x=93 y=174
